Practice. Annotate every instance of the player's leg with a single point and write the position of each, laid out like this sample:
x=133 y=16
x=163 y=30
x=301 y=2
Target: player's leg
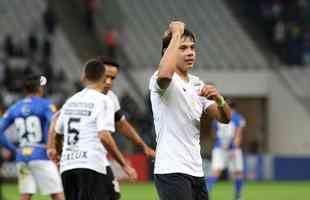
x=217 y=165
x=70 y=184
x=25 y=196
x=26 y=181
x=236 y=167
x=113 y=188
x=47 y=177
x=92 y=185
x=174 y=186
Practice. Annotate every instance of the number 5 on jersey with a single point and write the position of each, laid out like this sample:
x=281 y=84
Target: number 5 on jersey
x=73 y=133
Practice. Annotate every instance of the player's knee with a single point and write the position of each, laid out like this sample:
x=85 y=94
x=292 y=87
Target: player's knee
x=57 y=196
x=25 y=196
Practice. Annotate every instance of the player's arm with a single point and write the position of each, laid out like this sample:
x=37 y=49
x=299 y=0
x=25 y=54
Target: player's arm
x=238 y=136
x=220 y=110
x=109 y=143
x=205 y=127
x=168 y=61
x=57 y=131
x=125 y=128
x=5 y=122
x=105 y=124
x=53 y=150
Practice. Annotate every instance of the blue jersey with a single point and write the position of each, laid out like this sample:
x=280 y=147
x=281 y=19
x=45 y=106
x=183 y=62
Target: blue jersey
x=31 y=117
x=225 y=133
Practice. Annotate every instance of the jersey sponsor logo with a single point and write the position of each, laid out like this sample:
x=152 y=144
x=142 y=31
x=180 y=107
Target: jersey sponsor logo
x=77 y=112
x=75 y=155
x=81 y=105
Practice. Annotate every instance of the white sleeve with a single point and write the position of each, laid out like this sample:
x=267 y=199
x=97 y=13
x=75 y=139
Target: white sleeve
x=105 y=115
x=154 y=87
x=117 y=105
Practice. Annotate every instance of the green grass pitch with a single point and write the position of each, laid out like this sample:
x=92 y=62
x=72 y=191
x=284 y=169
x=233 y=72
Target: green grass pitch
x=222 y=191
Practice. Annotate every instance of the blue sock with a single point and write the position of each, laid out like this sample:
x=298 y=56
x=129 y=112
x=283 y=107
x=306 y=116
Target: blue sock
x=210 y=182
x=238 y=187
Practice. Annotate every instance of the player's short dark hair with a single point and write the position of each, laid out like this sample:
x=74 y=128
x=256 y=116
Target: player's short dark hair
x=108 y=61
x=94 y=70
x=32 y=82
x=167 y=38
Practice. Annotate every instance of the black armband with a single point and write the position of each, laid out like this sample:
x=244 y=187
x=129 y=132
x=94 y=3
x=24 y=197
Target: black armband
x=118 y=115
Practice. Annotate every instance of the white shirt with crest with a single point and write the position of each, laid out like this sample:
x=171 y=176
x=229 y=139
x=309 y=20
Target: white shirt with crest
x=177 y=111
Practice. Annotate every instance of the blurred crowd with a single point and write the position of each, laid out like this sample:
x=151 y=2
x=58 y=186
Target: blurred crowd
x=33 y=53
x=286 y=24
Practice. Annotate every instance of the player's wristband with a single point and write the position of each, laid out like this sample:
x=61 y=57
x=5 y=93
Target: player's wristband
x=221 y=102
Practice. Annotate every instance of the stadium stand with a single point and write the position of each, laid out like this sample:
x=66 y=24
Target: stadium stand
x=224 y=46
x=298 y=81
x=20 y=19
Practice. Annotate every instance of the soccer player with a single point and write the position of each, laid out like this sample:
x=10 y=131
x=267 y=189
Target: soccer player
x=121 y=123
x=178 y=101
x=31 y=117
x=86 y=120
x=227 y=151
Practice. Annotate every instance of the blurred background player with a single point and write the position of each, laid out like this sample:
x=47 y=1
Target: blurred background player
x=31 y=116
x=227 y=151
x=85 y=121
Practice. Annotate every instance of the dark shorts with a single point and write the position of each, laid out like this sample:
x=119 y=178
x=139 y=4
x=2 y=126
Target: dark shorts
x=114 y=193
x=86 y=184
x=177 y=186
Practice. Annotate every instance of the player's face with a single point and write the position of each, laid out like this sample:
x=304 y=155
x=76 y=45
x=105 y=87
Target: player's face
x=110 y=74
x=186 y=54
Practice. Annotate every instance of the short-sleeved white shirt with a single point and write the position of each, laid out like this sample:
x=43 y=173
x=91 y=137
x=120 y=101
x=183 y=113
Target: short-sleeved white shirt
x=81 y=118
x=115 y=100
x=177 y=111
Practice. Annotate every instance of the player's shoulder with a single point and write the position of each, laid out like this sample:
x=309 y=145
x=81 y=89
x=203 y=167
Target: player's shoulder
x=14 y=107
x=154 y=77
x=39 y=100
x=112 y=94
x=238 y=117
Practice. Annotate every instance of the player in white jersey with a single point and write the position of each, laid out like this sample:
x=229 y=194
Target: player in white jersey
x=227 y=151
x=121 y=123
x=86 y=120
x=178 y=102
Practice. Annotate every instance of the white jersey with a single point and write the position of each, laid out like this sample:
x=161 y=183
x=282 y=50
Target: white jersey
x=115 y=100
x=177 y=111
x=81 y=118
